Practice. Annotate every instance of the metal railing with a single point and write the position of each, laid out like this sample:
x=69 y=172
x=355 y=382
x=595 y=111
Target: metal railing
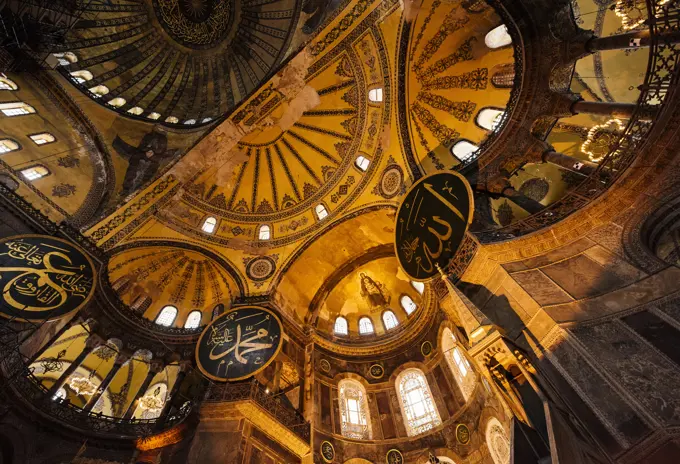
x=255 y=392
x=661 y=76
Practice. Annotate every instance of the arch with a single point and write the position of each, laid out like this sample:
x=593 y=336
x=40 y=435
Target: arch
x=355 y=419
x=7 y=84
x=82 y=76
x=366 y=326
x=167 y=316
x=417 y=406
x=264 y=232
x=375 y=95
x=193 y=320
x=16 y=109
x=418 y=286
x=498 y=442
x=99 y=91
x=340 y=327
x=136 y=110
x=389 y=320
x=209 y=225
x=464 y=150
x=321 y=211
x=498 y=37
x=7 y=145
x=490 y=118
x=35 y=172
x=458 y=364
x=43 y=138
x=407 y=304
x=362 y=163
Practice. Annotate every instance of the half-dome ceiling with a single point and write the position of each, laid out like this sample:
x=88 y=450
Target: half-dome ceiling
x=178 y=61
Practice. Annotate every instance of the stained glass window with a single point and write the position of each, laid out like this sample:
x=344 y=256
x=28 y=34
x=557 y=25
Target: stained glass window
x=390 y=320
x=167 y=316
x=365 y=326
x=420 y=413
x=341 y=326
x=194 y=320
x=408 y=304
x=354 y=419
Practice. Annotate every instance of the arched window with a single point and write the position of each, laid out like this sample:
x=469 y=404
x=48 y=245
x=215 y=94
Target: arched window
x=117 y=102
x=217 y=310
x=354 y=415
x=407 y=304
x=171 y=120
x=376 y=95
x=8 y=145
x=362 y=162
x=464 y=151
x=7 y=84
x=490 y=118
x=167 y=316
x=418 y=286
x=459 y=365
x=136 y=110
x=82 y=76
x=42 y=139
x=503 y=76
x=154 y=116
x=419 y=412
x=321 y=212
x=498 y=442
x=35 y=172
x=340 y=326
x=190 y=122
x=16 y=109
x=66 y=59
x=59 y=395
x=390 y=320
x=365 y=326
x=194 y=320
x=99 y=90
x=265 y=232
x=141 y=304
x=498 y=37
x=204 y=120
x=209 y=225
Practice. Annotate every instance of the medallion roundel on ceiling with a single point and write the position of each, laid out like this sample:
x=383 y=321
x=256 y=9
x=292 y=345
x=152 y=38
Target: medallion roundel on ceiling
x=261 y=268
x=195 y=23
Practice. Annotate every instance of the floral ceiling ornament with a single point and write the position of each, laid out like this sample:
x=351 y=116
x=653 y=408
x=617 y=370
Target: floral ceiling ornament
x=602 y=139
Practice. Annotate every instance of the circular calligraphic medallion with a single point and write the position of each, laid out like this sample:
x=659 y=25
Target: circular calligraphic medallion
x=43 y=278
x=394 y=456
x=426 y=348
x=325 y=366
x=431 y=223
x=376 y=371
x=239 y=343
x=327 y=451
x=462 y=434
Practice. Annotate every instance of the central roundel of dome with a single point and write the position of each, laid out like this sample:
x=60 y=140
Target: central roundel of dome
x=195 y=23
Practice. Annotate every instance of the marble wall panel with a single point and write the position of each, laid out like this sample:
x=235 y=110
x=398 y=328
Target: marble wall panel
x=582 y=277
x=541 y=288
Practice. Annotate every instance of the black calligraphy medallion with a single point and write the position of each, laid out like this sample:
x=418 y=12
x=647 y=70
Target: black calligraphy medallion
x=394 y=456
x=43 y=278
x=462 y=434
x=431 y=223
x=239 y=343
x=426 y=348
x=327 y=451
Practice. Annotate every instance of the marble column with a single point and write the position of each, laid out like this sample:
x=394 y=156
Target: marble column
x=154 y=369
x=118 y=363
x=92 y=343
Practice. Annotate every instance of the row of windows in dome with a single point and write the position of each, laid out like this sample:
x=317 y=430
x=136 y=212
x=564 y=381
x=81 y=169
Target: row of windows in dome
x=419 y=410
x=168 y=314
x=390 y=321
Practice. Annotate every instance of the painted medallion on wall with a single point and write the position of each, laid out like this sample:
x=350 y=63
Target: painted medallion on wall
x=43 y=278
x=462 y=434
x=239 y=343
x=376 y=371
x=327 y=451
x=431 y=223
x=426 y=348
x=394 y=456
x=325 y=366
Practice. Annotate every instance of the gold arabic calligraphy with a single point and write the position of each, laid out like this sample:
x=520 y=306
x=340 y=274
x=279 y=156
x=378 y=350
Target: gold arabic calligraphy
x=219 y=339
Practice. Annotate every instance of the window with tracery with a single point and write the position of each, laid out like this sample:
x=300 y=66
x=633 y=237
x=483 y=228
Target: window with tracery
x=8 y=145
x=321 y=212
x=464 y=151
x=418 y=408
x=42 y=139
x=490 y=118
x=376 y=95
x=167 y=316
x=209 y=225
x=498 y=37
x=354 y=416
x=498 y=442
x=194 y=320
x=35 y=172
x=7 y=84
x=362 y=162
x=390 y=320
x=365 y=326
x=16 y=109
x=407 y=304
x=340 y=326
x=458 y=363
x=265 y=232
x=418 y=286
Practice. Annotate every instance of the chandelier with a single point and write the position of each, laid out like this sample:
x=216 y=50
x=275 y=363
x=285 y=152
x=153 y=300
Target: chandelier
x=82 y=386
x=53 y=364
x=633 y=13
x=152 y=402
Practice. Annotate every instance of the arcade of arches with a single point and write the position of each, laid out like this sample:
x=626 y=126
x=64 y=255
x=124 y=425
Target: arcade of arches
x=202 y=157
